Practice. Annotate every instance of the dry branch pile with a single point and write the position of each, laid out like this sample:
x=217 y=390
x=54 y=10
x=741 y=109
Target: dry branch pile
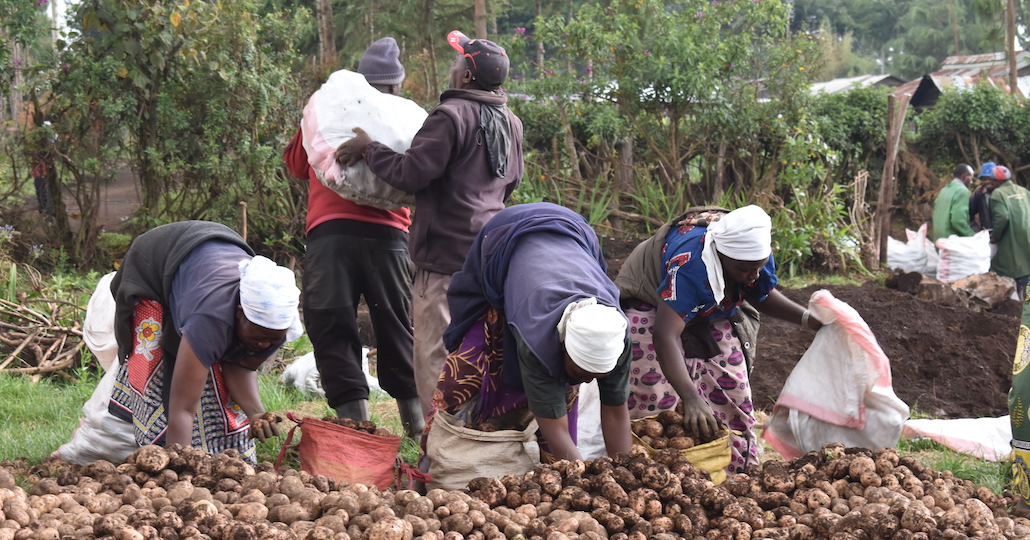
x=35 y=338
x=181 y=493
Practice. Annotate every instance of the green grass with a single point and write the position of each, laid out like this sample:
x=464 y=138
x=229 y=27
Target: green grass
x=38 y=417
x=806 y=280
x=995 y=475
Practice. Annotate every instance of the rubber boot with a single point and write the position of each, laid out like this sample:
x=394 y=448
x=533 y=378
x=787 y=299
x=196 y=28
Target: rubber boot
x=356 y=410
x=411 y=417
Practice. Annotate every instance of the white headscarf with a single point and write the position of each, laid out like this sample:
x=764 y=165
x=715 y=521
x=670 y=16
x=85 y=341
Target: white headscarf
x=594 y=335
x=744 y=234
x=269 y=294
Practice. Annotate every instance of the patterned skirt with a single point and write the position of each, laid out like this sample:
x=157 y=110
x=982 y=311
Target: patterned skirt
x=141 y=393
x=722 y=381
x=471 y=383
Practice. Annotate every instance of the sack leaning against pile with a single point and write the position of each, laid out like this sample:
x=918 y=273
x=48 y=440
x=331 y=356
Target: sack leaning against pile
x=458 y=454
x=346 y=101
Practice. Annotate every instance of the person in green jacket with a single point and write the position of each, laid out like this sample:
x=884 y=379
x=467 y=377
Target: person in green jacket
x=951 y=208
x=1010 y=208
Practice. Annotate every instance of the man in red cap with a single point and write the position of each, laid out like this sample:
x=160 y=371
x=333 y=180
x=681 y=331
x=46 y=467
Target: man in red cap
x=1010 y=210
x=462 y=166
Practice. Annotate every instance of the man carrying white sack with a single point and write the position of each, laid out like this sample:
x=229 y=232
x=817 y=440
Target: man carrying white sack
x=196 y=314
x=354 y=251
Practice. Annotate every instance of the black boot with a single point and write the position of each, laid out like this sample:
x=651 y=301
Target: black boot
x=356 y=410
x=411 y=417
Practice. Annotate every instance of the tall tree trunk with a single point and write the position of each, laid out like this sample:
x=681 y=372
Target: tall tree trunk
x=954 y=25
x=570 y=144
x=719 y=186
x=1010 y=45
x=480 y=18
x=54 y=32
x=16 y=82
x=326 y=34
x=429 y=40
x=538 y=10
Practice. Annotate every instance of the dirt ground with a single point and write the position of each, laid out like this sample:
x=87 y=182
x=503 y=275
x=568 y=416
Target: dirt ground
x=946 y=362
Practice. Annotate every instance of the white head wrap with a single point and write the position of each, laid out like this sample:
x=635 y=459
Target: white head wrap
x=594 y=335
x=744 y=234
x=269 y=294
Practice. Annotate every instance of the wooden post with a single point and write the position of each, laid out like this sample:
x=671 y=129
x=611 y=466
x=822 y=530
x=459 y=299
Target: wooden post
x=243 y=220
x=895 y=124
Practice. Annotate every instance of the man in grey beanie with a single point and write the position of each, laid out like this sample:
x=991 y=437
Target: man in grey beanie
x=353 y=251
x=381 y=65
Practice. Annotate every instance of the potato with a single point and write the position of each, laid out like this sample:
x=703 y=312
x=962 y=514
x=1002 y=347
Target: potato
x=150 y=459
x=390 y=528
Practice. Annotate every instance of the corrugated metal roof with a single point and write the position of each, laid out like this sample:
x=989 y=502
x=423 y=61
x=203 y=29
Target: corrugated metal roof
x=966 y=72
x=841 y=85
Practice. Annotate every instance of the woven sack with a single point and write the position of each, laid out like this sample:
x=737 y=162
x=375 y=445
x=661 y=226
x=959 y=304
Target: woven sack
x=458 y=454
x=713 y=456
x=348 y=455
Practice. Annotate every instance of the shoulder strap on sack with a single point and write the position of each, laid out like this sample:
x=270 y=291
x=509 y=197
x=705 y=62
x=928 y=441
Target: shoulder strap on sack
x=289 y=438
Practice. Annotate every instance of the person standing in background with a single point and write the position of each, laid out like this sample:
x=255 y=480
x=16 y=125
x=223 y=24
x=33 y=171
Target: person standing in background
x=355 y=250
x=951 y=207
x=1010 y=212
x=980 y=200
x=463 y=164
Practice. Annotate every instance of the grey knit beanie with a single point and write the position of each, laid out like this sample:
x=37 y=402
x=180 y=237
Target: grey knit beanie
x=380 y=64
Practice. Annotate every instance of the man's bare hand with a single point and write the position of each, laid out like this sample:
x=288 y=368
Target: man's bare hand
x=265 y=426
x=353 y=150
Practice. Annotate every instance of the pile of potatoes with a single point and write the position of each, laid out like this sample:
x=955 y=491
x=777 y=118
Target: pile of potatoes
x=666 y=430
x=366 y=426
x=183 y=493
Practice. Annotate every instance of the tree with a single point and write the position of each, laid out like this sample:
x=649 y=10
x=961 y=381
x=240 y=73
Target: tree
x=195 y=96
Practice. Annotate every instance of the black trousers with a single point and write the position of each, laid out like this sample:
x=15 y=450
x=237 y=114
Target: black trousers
x=346 y=260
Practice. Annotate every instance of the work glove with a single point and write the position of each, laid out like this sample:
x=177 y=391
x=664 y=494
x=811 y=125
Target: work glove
x=265 y=426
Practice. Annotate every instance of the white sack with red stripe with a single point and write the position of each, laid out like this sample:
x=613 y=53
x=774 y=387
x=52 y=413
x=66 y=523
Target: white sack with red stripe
x=346 y=101
x=840 y=390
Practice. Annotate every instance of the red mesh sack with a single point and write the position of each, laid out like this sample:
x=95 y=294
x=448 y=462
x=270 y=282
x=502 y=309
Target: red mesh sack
x=348 y=455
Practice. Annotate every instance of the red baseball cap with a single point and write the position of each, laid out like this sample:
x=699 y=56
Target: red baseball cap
x=487 y=61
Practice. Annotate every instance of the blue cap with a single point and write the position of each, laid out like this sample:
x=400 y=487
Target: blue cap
x=987 y=169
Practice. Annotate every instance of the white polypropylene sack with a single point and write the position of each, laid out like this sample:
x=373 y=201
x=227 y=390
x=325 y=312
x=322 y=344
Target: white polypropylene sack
x=984 y=438
x=303 y=374
x=963 y=256
x=589 y=438
x=98 y=327
x=347 y=101
x=908 y=256
x=100 y=435
x=932 y=257
x=840 y=390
